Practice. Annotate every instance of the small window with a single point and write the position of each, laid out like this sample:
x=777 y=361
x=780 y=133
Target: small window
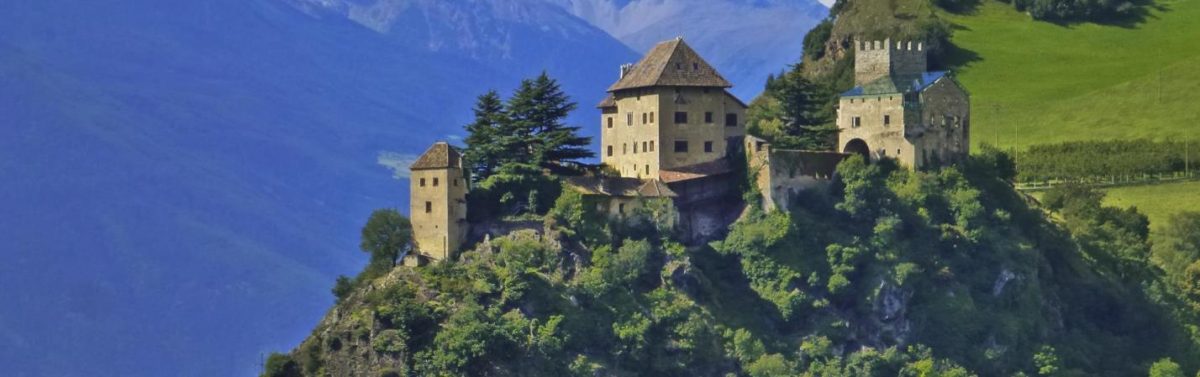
x=731 y=120
x=651 y=117
x=428 y=207
x=708 y=117
x=679 y=66
x=422 y=182
x=628 y=119
x=435 y=182
x=455 y=181
x=645 y=117
x=644 y=145
x=621 y=208
x=695 y=66
x=708 y=147
x=624 y=148
x=635 y=147
x=610 y=151
x=681 y=117
x=647 y=169
x=652 y=145
x=610 y=122
x=887 y=120
x=681 y=146
x=857 y=122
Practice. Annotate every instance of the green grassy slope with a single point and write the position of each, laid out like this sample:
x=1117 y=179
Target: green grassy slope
x=1158 y=202
x=1037 y=82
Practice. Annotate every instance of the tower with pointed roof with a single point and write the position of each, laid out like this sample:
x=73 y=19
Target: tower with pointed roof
x=438 y=205
x=899 y=110
x=670 y=117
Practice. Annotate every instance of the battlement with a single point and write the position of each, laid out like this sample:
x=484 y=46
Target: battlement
x=887 y=44
x=876 y=59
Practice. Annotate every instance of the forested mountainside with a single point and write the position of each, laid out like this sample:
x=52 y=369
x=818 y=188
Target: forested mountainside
x=890 y=272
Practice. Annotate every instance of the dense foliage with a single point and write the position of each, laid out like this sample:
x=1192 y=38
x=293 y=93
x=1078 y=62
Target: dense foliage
x=890 y=273
x=515 y=149
x=1104 y=161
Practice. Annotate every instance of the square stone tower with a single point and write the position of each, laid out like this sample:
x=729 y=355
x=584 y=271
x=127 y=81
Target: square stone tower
x=438 y=205
x=876 y=59
x=670 y=111
x=898 y=110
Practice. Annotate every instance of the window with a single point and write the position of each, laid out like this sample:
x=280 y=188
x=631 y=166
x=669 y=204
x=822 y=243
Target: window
x=422 y=182
x=651 y=117
x=647 y=169
x=455 y=181
x=681 y=146
x=628 y=119
x=652 y=145
x=610 y=122
x=610 y=151
x=695 y=66
x=435 y=182
x=731 y=120
x=680 y=117
x=635 y=147
x=678 y=66
x=428 y=207
x=856 y=122
x=887 y=120
x=644 y=145
x=621 y=208
x=644 y=118
x=708 y=117
x=624 y=148
x=708 y=147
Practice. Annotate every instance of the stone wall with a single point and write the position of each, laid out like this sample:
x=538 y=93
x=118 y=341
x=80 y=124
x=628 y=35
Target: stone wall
x=876 y=59
x=883 y=140
x=647 y=144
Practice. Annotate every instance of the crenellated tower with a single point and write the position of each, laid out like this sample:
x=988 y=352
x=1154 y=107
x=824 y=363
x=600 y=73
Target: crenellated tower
x=876 y=59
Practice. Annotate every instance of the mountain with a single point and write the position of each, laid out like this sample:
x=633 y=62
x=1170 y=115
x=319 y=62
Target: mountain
x=182 y=181
x=745 y=39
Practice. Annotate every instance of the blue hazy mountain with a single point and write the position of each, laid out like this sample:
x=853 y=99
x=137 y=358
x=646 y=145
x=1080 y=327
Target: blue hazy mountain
x=181 y=181
x=745 y=39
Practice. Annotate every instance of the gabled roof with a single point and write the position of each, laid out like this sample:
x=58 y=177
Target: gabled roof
x=439 y=156
x=896 y=85
x=607 y=102
x=621 y=187
x=690 y=172
x=671 y=63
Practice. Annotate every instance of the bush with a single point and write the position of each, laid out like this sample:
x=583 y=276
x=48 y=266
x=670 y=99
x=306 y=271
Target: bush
x=342 y=287
x=281 y=365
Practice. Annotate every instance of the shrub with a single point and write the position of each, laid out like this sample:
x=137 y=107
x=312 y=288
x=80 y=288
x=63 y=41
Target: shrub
x=281 y=365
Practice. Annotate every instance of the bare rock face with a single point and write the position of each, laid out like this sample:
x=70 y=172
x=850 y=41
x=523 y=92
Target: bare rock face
x=890 y=315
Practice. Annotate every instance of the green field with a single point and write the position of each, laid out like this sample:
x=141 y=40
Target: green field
x=1037 y=82
x=1158 y=202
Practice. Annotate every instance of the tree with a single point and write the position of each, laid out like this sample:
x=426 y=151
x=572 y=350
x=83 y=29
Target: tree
x=281 y=365
x=1178 y=244
x=386 y=235
x=808 y=117
x=1165 y=368
x=536 y=132
x=483 y=154
x=1191 y=285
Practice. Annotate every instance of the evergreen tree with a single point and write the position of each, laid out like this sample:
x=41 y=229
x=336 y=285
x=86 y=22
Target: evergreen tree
x=483 y=154
x=535 y=132
x=807 y=107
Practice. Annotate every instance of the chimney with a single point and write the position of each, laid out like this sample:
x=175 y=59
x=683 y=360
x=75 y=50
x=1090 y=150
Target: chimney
x=625 y=68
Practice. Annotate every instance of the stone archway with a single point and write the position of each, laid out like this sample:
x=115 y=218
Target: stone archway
x=858 y=146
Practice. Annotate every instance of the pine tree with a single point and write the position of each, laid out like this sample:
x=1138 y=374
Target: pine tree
x=809 y=123
x=484 y=154
x=536 y=132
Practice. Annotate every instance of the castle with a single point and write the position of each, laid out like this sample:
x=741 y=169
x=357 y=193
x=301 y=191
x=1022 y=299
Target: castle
x=899 y=110
x=670 y=129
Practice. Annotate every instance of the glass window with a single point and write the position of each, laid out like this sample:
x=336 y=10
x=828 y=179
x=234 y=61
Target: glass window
x=731 y=120
x=681 y=117
x=708 y=147
x=708 y=117
x=681 y=146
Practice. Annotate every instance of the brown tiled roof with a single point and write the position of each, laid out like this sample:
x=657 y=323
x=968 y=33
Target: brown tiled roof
x=439 y=156
x=609 y=101
x=621 y=186
x=671 y=63
x=690 y=172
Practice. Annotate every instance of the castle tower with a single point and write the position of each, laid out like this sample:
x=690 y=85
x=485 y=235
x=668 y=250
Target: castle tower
x=669 y=111
x=878 y=59
x=438 y=205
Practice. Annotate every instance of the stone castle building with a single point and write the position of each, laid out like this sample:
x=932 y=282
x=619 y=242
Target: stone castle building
x=899 y=110
x=438 y=205
x=670 y=130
